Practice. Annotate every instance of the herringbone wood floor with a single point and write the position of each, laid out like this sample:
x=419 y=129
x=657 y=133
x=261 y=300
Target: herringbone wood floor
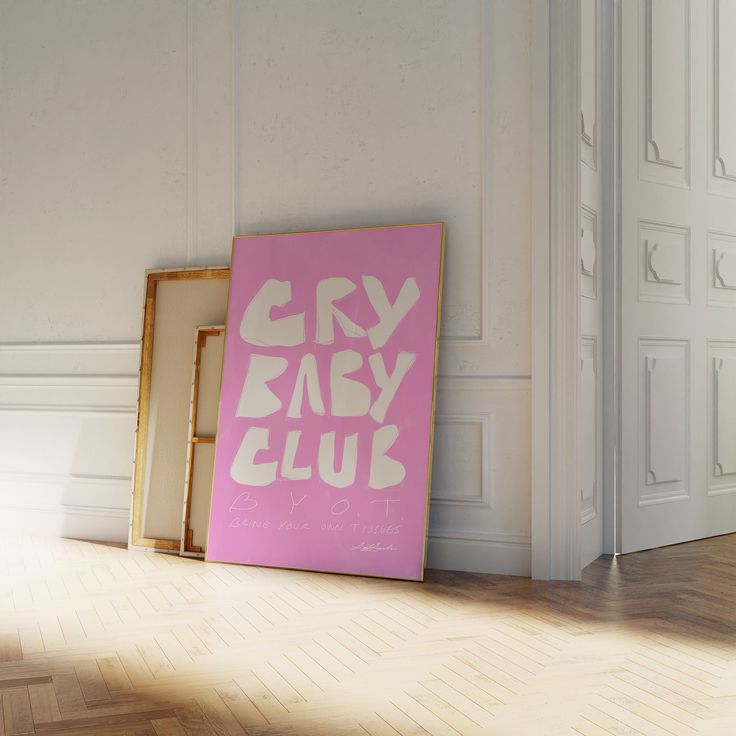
x=99 y=640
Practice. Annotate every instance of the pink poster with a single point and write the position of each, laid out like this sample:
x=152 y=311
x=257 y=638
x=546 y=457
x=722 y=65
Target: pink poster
x=324 y=433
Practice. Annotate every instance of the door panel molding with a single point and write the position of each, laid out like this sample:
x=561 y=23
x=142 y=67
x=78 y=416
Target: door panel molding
x=665 y=412
x=664 y=262
x=724 y=101
x=664 y=47
x=721 y=269
x=722 y=417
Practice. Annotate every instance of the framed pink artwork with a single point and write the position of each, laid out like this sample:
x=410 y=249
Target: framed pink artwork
x=324 y=436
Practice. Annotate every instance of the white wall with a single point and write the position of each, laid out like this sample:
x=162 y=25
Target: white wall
x=143 y=134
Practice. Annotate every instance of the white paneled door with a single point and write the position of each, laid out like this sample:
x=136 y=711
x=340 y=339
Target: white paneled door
x=678 y=271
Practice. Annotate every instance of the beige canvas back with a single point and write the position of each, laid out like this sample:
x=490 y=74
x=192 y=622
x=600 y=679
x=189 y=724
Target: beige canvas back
x=176 y=303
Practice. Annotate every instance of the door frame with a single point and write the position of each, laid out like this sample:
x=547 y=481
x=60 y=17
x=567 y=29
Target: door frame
x=611 y=281
x=556 y=326
x=555 y=290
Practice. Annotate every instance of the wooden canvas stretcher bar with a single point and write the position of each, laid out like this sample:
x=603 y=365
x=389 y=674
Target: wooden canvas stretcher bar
x=208 y=350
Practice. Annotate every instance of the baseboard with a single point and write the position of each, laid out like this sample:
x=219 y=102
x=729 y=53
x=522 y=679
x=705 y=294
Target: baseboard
x=86 y=507
x=97 y=524
x=499 y=554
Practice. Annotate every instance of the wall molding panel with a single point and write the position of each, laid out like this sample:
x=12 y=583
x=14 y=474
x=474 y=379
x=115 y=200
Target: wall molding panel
x=380 y=129
x=78 y=402
x=486 y=515
x=458 y=317
x=463 y=348
x=463 y=460
x=210 y=122
x=665 y=27
x=486 y=282
x=665 y=420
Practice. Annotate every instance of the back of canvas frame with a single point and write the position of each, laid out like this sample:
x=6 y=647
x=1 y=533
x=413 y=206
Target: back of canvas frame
x=177 y=302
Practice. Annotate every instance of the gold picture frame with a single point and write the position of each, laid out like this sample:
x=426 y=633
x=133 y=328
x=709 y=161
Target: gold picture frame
x=437 y=316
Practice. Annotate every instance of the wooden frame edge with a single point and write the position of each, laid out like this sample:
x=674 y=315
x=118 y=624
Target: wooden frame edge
x=440 y=280
x=135 y=534
x=187 y=547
